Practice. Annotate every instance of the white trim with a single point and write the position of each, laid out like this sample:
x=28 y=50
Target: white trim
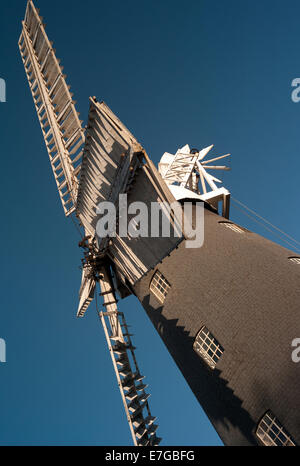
x=208 y=347
x=296 y=260
x=159 y=286
x=271 y=432
x=233 y=227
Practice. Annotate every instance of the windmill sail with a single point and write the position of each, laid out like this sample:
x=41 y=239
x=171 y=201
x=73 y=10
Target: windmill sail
x=59 y=120
x=86 y=292
x=130 y=380
x=109 y=160
x=112 y=161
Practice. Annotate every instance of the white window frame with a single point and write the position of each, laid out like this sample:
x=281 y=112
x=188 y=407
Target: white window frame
x=208 y=347
x=159 y=286
x=295 y=260
x=272 y=433
x=233 y=227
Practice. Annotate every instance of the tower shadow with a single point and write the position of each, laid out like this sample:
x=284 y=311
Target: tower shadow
x=217 y=399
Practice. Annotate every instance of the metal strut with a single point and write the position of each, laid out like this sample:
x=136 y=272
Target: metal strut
x=130 y=380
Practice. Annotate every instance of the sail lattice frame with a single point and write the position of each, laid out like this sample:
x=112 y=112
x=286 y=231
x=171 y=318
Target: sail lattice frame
x=59 y=120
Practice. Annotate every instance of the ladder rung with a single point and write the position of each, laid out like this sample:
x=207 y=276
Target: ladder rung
x=128 y=380
x=128 y=387
x=131 y=393
x=105 y=292
x=110 y=302
x=138 y=422
x=141 y=429
x=143 y=441
x=139 y=433
x=150 y=419
x=141 y=386
x=124 y=373
x=154 y=441
x=152 y=429
x=138 y=408
x=122 y=358
x=131 y=396
x=115 y=337
x=135 y=401
x=122 y=349
x=49 y=132
x=119 y=346
x=125 y=367
x=144 y=397
x=122 y=365
x=111 y=313
x=119 y=351
x=42 y=107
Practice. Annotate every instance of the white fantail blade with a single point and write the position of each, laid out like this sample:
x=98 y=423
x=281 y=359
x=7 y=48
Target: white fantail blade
x=181 y=167
x=165 y=161
x=167 y=158
x=86 y=292
x=214 y=159
x=59 y=120
x=204 y=152
x=184 y=150
x=209 y=178
x=213 y=178
x=216 y=167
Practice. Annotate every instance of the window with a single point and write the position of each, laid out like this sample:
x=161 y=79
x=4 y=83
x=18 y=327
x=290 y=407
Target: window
x=233 y=227
x=272 y=433
x=159 y=286
x=208 y=347
x=296 y=260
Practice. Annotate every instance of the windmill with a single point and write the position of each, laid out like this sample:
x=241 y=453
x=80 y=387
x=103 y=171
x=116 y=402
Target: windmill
x=186 y=293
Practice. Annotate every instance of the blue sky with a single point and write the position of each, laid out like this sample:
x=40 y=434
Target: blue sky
x=197 y=72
